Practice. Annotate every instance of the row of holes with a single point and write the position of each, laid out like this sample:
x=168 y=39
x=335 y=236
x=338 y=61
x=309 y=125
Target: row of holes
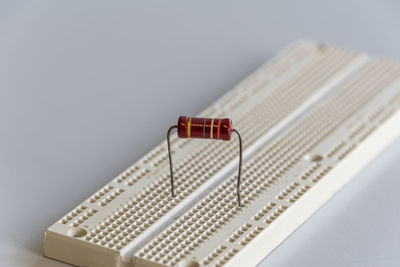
x=299 y=193
x=135 y=178
x=84 y=217
x=150 y=156
x=264 y=211
x=288 y=190
x=346 y=151
x=67 y=218
x=278 y=211
x=111 y=197
x=225 y=258
x=336 y=148
x=357 y=130
x=321 y=174
x=218 y=251
x=239 y=232
x=250 y=236
x=127 y=173
x=100 y=193
x=310 y=171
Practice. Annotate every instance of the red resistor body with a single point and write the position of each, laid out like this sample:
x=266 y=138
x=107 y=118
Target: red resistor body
x=190 y=127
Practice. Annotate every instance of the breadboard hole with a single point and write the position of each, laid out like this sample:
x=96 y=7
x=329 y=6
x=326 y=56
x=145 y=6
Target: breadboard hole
x=313 y=157
x=76 y=232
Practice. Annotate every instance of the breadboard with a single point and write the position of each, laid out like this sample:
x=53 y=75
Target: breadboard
x=310 y=119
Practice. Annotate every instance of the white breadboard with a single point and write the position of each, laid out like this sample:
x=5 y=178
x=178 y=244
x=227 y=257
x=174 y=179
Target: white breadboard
x=310 y=119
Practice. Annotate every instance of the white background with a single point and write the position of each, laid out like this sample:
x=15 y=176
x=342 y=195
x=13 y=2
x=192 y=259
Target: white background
x=88 y=87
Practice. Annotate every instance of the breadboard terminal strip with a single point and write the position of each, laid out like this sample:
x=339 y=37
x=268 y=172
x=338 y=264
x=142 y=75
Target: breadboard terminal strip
x=310 y=119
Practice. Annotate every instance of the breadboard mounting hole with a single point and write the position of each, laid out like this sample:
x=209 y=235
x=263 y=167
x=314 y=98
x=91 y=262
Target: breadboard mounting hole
x=76 y=232
x=188 y=263
x=314 y=157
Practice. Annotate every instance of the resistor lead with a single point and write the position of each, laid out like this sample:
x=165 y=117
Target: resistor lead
x=207 y=128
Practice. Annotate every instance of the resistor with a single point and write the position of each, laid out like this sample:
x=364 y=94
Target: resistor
x=206 y=128
x=209 y=128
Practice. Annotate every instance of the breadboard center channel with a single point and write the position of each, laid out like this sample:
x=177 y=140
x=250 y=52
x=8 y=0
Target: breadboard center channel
x=310 y=119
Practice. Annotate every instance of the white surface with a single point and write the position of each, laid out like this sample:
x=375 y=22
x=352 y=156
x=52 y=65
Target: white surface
x=71 y=73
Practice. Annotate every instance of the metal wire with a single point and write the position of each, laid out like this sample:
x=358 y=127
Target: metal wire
x=170 y=159
x=240 y=166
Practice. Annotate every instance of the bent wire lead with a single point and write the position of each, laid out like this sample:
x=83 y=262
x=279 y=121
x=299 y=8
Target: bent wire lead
x=206 y=128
